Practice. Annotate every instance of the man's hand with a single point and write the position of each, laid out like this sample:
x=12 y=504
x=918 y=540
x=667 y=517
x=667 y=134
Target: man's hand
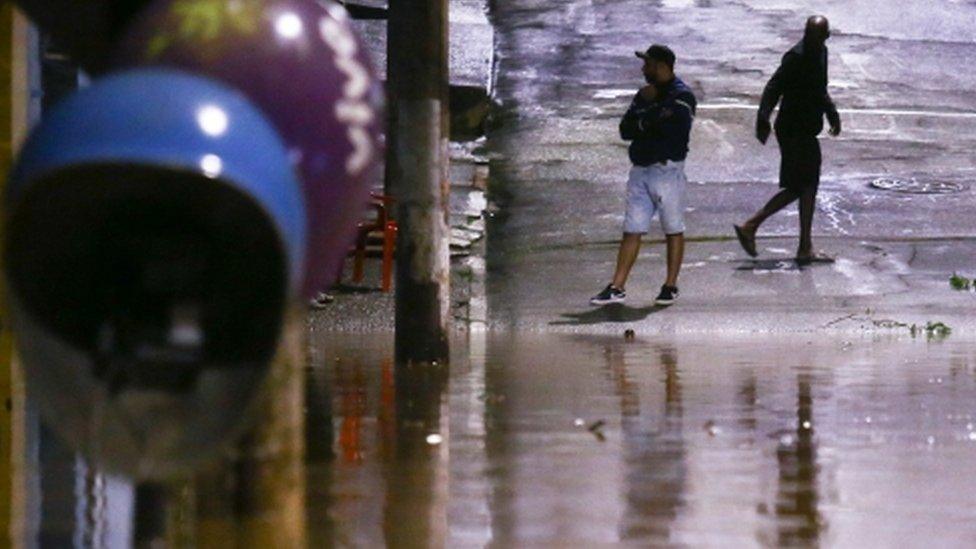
x=648 y=93
x=835 y=129
x=763 y=129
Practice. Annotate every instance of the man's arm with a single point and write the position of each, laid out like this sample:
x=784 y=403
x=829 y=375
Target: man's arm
x=630 y=123
x=629 y=126
x=832 y=115
x=772 y=93
x=676 y=118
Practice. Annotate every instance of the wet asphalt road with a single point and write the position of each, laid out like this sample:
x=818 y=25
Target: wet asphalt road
x=900 y=72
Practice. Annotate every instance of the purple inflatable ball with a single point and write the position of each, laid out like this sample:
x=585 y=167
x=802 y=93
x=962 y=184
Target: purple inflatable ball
x=86 y=29
x=303 y=64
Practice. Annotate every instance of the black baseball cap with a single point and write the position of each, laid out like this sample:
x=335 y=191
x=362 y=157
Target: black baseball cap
x=657 y=52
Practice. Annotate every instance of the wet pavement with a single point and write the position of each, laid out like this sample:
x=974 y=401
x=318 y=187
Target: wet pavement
x=773 y=406
x=566 y=72
x=576 y=441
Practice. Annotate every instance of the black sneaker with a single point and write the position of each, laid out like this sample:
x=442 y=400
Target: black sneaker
x=668 y=295
x=609 y=295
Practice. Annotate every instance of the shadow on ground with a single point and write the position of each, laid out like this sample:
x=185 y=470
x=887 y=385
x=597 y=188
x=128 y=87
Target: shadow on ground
x=765 y=265
x=781 y=264
x=615 y=312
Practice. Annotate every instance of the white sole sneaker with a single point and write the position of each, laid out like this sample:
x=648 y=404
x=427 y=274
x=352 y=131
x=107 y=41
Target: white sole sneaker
x=610 y=301
x=664 y=301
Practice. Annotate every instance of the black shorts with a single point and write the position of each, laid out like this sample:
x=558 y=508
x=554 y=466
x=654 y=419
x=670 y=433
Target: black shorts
x=800 y=166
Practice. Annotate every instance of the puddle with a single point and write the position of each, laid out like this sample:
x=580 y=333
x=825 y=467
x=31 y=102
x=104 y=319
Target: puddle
x=914 y=186
x=568 y=440
x=587 y=440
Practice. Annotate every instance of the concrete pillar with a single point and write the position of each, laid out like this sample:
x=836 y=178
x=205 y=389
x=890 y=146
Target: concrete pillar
x=418 y=80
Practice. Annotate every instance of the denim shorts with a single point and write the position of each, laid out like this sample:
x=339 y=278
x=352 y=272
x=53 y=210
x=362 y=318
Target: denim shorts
x=656 y=190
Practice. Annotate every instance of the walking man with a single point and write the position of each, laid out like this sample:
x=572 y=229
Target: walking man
x=658 y=124
x=801 y=83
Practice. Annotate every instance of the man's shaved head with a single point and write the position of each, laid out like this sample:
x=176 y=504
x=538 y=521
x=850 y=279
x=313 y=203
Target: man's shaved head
x=818 y=30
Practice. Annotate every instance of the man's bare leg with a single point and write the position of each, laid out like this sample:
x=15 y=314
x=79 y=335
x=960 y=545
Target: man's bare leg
x=808 y=201
x=780 y=200
x=676 y=255
x=629 y=248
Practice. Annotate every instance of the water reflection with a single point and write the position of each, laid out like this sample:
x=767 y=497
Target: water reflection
x=798 y=494
x=748 y=398
x=684 y=457
x=416 y=459
x=319 y=456
x=703 y=443
x=653 y=449
x=351 y=394
x=377 y=472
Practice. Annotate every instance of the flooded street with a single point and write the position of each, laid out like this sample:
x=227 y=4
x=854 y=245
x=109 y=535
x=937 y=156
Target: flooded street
x=773 y=405
x=561 y=441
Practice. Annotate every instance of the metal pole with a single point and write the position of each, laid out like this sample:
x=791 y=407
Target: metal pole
x=418 y=82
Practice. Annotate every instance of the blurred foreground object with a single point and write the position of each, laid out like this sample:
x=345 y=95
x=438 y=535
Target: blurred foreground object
x=301 y=62
x=154 y=241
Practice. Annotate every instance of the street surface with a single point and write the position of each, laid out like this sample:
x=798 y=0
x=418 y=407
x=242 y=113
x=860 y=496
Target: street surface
x=773 y=405
x=899 y=73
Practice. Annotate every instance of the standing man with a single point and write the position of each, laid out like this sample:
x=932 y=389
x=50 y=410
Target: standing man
x=658 y=125
x=801 y=82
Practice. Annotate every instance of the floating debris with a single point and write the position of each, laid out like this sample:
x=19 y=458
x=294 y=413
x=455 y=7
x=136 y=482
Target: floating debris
x=932 y=330
x=629 y=335
x=914 y=186
x=434 y=439
x=712 y=429
x=597 y=429
x=961 y=283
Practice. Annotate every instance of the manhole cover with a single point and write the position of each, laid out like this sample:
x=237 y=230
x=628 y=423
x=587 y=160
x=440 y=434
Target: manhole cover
x=914 y=186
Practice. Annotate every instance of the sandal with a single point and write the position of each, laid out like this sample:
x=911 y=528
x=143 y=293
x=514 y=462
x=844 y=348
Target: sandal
x=748 y=242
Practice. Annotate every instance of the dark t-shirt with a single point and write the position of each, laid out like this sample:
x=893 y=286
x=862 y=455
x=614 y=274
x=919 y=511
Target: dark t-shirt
x=801 y=82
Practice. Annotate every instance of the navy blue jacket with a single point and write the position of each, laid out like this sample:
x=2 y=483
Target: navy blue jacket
x=801 y=81
x=659 y=131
